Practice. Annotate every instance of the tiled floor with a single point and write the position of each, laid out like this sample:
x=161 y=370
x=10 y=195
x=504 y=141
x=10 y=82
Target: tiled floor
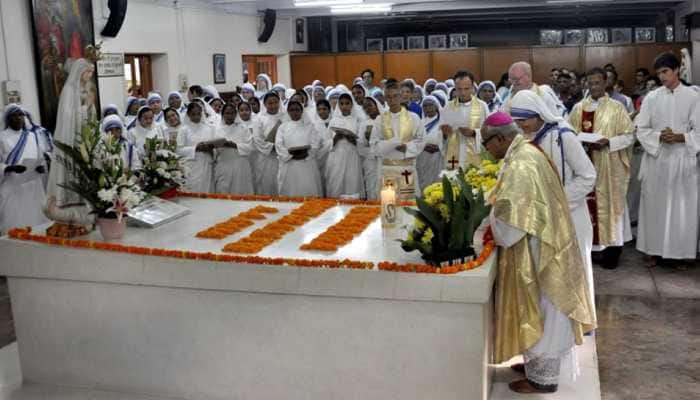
x=648 y=341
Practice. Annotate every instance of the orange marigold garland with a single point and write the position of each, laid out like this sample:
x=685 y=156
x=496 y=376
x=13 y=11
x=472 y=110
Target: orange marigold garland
x=236 y=223
x=344 y=231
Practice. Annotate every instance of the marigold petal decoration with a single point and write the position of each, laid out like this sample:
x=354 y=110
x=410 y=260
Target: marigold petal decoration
x=344 y=231
x=236 y=223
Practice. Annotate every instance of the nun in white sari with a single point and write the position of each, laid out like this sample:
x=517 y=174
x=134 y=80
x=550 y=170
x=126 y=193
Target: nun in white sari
x=430 y=161
x=295 y=144
x=195 y=145
x=232 y=172
x=324 y=136
x=264 y=133
x=370 y=162
x=263 y=84
x=145 y=128
x=343 y=175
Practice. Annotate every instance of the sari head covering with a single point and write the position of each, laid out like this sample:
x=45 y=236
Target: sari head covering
x=110 y=108
x=248 y=87
x=168 y=110
x=177 y=94
x=111 y=122
x=450 y=83
x=130 y=101
x=440 y=96
x=280 y=89
x=140 y=112
x=527 y=104
x=10 y=110
x=316 y=83
x=319 y=89
x=496 y=101
x=153 y=97
x=442 y=86
x=266 y=79
x=289 y=93
x=429 y=82
x=381 y=108
x=434 y=100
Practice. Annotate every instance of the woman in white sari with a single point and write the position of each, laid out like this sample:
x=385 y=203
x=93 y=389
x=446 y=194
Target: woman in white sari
x=343 y=173
x=264 y=134
x=430 y=161
x=232 y=172
x=370 y=163
x=145 y=128
x=195 y=145
x=324 y=136
x=295 y=144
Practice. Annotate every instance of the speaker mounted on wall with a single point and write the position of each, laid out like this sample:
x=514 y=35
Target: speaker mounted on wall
x=269 y=20
x=117 y=13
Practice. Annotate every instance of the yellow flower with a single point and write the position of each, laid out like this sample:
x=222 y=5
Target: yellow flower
x=427 y=236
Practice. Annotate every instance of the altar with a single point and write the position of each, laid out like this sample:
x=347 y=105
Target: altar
x=205 y=329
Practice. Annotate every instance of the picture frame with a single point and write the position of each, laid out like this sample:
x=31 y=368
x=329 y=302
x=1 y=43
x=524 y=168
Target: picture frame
x=670 y=34
x=415 y=42
x=597 y=36
x=62 y=29
x=459 y=40
x=219 y=65
x=394 y=43
x=645 y=34
x=299 y=30
x=437 y=42
x=621 y=35
x=574 y=36
x=375 y=44
x=551 y=37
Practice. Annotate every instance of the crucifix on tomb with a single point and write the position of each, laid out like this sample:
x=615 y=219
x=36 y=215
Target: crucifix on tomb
x=406 y=174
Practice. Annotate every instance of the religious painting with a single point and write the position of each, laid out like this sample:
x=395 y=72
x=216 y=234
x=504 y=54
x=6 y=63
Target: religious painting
x=62 y=31
x=645 y=35
x=551 y=37
x=299 y=30
x=375 y=44
x=415 y=42
x=574 y=36
x=459 y=40
x=597 y=36
x=437 y=42
x=621 y=35
x=394 y=43
x=219 y=68
x=670 y=33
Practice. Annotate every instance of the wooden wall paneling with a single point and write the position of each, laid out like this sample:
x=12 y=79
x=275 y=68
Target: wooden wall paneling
x=446 y=63
x=623 y=57
x=646 y=53
x=401 y=65
x=305 y=69
x=351 y=65
x=496 y=61
x=546 y=58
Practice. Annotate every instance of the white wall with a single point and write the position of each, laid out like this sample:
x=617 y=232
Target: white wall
x=185 y=40
x=17 y=51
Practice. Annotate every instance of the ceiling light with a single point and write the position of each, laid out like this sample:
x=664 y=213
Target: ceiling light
x=325 y=3
x=575 y=1
x=362 y=9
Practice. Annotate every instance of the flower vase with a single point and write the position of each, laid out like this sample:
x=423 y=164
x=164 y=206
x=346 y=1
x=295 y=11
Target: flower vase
x=111 y=228
x=168 y=194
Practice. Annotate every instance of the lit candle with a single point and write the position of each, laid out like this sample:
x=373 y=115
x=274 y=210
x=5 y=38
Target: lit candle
x=388 y=204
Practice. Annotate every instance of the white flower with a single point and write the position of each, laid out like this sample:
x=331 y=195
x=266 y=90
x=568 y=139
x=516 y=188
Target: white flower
x=107 y=195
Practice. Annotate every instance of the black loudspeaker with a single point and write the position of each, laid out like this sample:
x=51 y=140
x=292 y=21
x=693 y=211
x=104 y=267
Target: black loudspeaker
x=269 y=21
x=117 y=13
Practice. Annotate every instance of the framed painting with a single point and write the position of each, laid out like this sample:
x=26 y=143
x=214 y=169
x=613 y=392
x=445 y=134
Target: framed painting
x=551 y=37
x=415 y=43
x=645 y=35
x=219 y=68
x=574 y=36
x=394 y=43
x=375 y=44
x=62 y=31
x=621 y=35
x=597 y=36
x=437 y=42
x=459 y=40
x=299 y=30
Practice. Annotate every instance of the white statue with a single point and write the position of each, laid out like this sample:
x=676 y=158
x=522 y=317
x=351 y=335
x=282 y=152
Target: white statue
x=686 y=72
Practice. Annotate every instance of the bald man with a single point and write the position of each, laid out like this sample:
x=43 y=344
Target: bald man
x=520 y=75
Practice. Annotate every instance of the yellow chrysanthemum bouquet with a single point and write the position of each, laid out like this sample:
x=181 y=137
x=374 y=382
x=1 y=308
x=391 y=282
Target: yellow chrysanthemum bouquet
x=450 y=211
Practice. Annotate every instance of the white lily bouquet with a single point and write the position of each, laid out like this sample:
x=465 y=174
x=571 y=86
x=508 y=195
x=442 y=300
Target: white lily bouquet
x=163 y=169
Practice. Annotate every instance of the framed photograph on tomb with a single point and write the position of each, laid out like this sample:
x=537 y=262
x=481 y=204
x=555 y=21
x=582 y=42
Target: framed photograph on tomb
x=62 y=30
x=551 y=37
x=621 y=35
x=459 y=40
x=415 y=42
x=574 y=36
x=394 y=43
x=219 y=62
x=375 y=44
x=597 y=36
x=437 y=42
x=645 y=35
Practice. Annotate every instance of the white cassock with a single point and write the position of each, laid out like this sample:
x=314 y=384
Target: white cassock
x=543 y=359
x=343 y=175
x=385 y=150
x=668 y=210
x=578 y=179
x=232 y=171
x=324 y=138
x=429 y=165
x=199 y=174
x=463 y=115
x=21 y=195
x=137 y=136
x=297 y=177
x=266 y=164
x=370 y=163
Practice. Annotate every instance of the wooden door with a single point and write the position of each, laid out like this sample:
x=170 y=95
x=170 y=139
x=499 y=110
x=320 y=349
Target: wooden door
x=138 y=74
x=256 y=64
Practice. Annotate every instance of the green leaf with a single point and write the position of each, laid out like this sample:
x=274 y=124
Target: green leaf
x=447 y=195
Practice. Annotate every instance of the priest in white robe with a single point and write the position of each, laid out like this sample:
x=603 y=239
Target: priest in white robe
x=576 y=171
x=232 y=171
x=668 y=127
x=21 y=188
x=195 y=145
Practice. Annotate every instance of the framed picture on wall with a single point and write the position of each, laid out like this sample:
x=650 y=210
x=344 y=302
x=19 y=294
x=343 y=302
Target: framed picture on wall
x=62 y=31
x=415 y=42
x=219 y=68
x=437 y=42
x=299 y=30
x=670 y=33
x=375 y=44
x=574 y=36
x=551 y=37
x=621 y=35
x=645 y=35
x=394 y=43
x=459 y=40
x=597 y=36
